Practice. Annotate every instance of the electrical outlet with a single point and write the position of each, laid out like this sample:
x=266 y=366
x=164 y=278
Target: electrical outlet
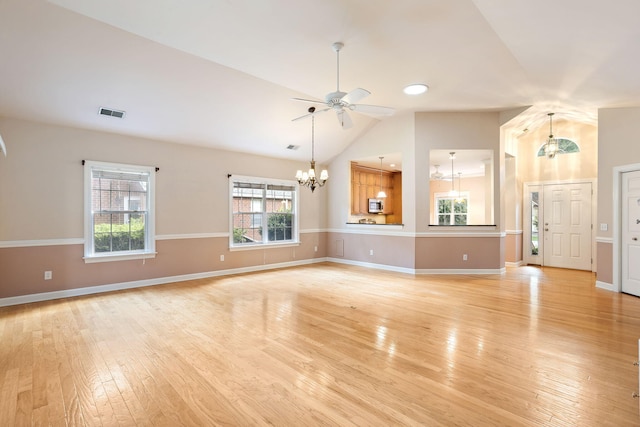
x=604 y=227
x=48 y=275
x=221 y=257
x=464 y=257
x=371 y=252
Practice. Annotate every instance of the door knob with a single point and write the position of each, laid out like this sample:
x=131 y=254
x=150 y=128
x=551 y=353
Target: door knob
x=546 y=229
x=634 y=239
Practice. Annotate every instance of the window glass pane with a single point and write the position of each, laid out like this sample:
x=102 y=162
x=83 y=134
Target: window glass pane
x=113 y=232
x=259 y=205
x=452 y=210
x=119 y=210
x=535 y=234
x=461 y=219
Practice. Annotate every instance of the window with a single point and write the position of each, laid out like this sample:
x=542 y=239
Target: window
x=261 y=204
x=452 y=210
x=535 y=232
x=565 y=146
x=119 y=217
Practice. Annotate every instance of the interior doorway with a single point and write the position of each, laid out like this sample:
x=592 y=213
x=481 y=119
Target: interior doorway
x=630 y=233
x=557 y=224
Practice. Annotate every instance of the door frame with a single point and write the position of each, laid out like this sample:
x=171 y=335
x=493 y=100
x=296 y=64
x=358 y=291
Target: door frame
x=526 y=216
x=617 y=222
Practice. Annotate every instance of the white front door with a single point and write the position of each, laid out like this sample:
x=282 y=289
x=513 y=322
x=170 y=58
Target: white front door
x=567 y=225
x=631 y=232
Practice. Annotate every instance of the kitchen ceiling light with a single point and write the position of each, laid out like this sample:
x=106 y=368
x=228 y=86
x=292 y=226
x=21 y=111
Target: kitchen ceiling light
x=381 y=194
x=416 y=89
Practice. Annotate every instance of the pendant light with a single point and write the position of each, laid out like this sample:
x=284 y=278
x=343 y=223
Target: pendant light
x=551 y=147
x=452 y=193
x=308 y=179
x=381 y=194
x=459 y=198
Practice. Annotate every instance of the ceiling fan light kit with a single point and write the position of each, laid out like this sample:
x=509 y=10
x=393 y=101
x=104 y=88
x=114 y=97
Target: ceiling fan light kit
x=342 y=102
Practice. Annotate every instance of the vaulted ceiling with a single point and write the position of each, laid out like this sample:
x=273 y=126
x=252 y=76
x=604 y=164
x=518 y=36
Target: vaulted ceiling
x=222 y=73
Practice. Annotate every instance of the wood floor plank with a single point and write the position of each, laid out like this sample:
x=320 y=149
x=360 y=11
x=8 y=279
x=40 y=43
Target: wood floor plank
x=328 y=344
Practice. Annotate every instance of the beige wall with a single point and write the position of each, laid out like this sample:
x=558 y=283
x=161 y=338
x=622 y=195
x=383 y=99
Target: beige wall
x=446 y=253
x=618 y=131
x=565 y=166
x=41 y=209
x=455 y=131
x=44 y=172
x=414 y=135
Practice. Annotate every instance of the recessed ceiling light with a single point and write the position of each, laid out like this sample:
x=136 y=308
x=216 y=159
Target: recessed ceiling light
x=416 y=89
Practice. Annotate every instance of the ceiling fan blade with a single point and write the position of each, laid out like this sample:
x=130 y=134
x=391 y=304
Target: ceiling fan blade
x=355 y=96
x=372 y=110
x=344 y=119
x=310 y=114
x=309 y=100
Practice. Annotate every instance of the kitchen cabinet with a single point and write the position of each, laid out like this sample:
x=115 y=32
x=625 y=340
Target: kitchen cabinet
x=365 y=184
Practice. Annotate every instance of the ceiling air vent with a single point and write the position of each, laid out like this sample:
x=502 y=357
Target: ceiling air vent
x=112 y=113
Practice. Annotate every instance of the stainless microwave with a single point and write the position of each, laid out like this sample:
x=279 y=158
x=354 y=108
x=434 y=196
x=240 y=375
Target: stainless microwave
x=375 y=206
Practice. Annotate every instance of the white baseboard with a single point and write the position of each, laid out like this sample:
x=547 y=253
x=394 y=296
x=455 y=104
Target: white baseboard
x=417 y=271
x=605 y=286
x=67 y=293
x=514 y=264
x=461 y=271
x=372 y=265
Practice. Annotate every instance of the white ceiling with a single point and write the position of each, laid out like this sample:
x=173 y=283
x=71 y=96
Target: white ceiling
x=222 y=73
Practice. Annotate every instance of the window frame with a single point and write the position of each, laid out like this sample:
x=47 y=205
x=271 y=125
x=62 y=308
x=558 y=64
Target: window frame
x=265 y=243
x=445 y=196
x=149 y=251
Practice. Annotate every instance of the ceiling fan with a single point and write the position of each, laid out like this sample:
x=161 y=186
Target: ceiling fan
x=437 y=175
x=342 y=102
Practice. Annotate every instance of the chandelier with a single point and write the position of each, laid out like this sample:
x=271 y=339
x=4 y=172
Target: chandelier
x=308 y=179
x=551 y=146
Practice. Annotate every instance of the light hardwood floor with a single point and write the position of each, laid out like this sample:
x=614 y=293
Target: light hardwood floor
x=328 y=344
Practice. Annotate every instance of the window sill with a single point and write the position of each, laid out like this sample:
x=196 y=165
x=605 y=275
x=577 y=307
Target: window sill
x=118 y=257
